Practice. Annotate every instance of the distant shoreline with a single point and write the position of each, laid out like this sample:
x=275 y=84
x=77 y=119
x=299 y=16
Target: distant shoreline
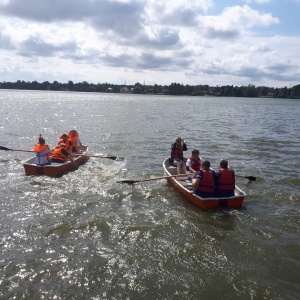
x=176 y=89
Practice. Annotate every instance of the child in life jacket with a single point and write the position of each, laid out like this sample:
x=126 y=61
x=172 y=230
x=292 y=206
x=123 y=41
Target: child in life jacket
x=205 y=181
x=177 y=155
x=194 y=162
x=42 y=152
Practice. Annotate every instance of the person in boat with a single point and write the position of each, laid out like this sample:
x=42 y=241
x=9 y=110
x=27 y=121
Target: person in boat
x=226 y=180
x=204 y=182
x=60 y=154
x=42 y=152
x=76 y=142
x=194 y=162
x=177 y=155
x=67 y=141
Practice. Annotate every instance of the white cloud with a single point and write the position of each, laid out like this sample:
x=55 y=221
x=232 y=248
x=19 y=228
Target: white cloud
x=234 y=20
x=160 y=41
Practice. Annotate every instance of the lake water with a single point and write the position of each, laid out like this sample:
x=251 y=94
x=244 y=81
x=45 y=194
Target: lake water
x=84 y=236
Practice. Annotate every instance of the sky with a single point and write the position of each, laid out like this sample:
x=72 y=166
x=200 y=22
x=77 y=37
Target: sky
x=191 y=42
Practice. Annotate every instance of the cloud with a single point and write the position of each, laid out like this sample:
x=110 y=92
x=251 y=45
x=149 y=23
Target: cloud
x=168 y=40
x=235 y=20
x=36 y=47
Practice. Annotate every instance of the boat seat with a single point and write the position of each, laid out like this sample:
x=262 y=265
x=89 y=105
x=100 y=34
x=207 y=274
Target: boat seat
x=172 y=170
x=186 y=183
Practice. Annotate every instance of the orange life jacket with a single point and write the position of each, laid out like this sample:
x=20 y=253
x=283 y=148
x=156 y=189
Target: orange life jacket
x=57 y=153
x=40 y=150
x=67 y=142
x=226 y=180
x=195 y=164
x=73 y=139
x=207 y=182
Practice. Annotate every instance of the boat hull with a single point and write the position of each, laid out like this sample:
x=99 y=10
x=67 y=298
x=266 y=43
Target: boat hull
x=55 y=169
x=185 y=187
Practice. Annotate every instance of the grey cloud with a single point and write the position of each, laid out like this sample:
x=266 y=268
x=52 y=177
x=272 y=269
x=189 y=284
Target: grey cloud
x=280 y=68
x=163 y=39
x=213 y=33
x=6 y=42
x=180 y=17
x=145 y=61
x=151 y=61
x=256 y=74
x=123 y=18
x=250 y=72
x=123 y=60
x=36 y=47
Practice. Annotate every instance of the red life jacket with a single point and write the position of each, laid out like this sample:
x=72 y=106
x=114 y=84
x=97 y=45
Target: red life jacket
x=57 y=153
x=177 y=152
x=195 y=164
x=207 y=183
x=226 y=180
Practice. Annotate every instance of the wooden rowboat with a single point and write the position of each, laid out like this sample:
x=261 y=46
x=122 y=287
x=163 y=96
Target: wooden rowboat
x=184 y=185
x=55 y=169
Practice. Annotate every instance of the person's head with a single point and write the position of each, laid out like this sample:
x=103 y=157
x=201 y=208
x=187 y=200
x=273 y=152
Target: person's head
x=73 y=132
x=205 y=165
x=41 y=140
x=224 y=164
x=195 y=153
x=179 y=140
x=64 y=137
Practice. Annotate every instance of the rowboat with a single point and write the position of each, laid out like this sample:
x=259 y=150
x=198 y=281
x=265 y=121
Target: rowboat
x=55 y=169
x=184 y=185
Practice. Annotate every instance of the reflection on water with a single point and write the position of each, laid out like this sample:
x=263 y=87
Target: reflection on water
x=85 y=236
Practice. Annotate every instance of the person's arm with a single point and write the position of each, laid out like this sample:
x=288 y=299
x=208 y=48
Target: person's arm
x=189 y=166
x=67 y=154
x=171 y=155
x=188 y=163
x=196 y=181
x=184 y=147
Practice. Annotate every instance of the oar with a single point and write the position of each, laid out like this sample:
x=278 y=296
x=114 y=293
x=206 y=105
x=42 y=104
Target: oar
x=100 y=156
x=251 y=178
x=150 y=179
x=8 y=149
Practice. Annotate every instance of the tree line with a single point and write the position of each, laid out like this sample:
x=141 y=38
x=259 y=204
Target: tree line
x=172 y=89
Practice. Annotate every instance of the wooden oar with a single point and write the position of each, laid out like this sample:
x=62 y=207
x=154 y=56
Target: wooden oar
x=100 y=156
x=73 y=154
x=251 y=178
x=8 y=149
x=150 y=179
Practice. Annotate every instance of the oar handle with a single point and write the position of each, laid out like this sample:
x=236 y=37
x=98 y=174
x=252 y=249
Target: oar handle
x=100 y=156
x=151 y=179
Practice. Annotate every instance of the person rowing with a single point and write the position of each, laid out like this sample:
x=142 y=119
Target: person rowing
x=60 y=154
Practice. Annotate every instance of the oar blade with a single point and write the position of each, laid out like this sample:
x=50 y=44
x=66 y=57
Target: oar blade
x=128 y=181
x=117 y=158
x=4 y=148
x=251 y=178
